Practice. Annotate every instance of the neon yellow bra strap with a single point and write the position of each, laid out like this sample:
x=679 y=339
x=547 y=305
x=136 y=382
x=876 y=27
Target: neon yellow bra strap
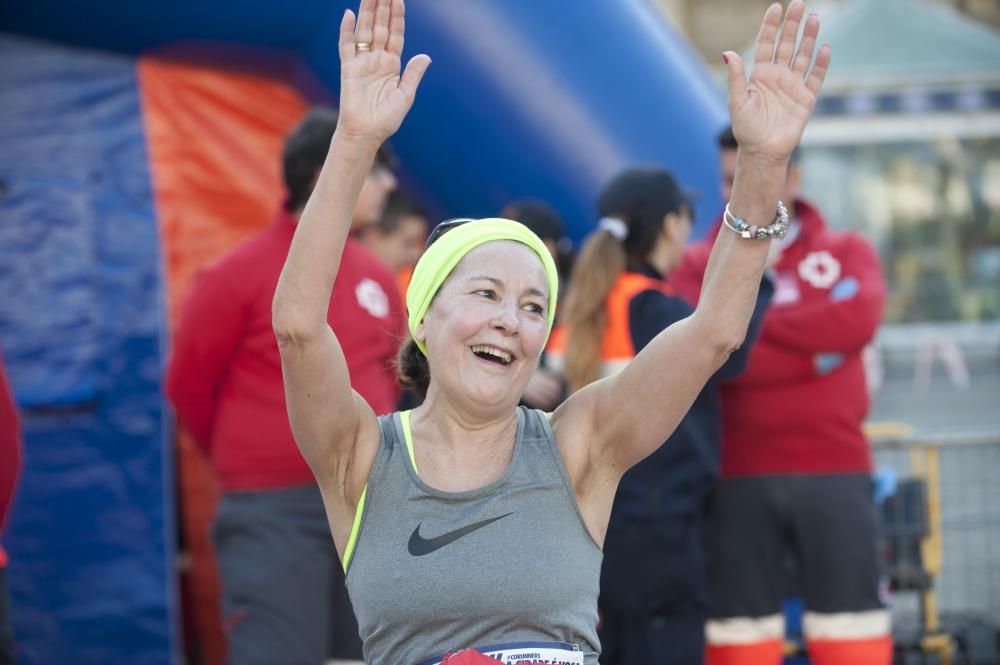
x=404 y=420
x=352 y=541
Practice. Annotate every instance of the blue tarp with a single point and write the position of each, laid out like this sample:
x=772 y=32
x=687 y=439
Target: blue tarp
x=81 y=319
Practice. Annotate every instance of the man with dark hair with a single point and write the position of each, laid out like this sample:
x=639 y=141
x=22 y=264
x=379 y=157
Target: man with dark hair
x=796 y=467
x=307 y=146
x=544 y=221
x=283 y=587
x=398 y=237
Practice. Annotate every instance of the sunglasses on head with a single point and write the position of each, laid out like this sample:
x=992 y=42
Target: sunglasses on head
x=444 y=227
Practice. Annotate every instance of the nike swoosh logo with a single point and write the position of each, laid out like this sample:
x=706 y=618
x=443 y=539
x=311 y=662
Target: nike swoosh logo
x=419 y=546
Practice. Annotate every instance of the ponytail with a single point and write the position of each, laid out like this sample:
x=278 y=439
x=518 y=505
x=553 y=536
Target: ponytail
x=412 y=367
x=632 y=208
x=598 y=266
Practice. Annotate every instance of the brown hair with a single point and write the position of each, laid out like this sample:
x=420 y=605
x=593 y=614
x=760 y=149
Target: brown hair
x=601 y=260
x=413 y=369
x=640 y=198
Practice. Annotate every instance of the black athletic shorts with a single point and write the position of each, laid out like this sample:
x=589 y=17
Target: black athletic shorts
x=824 y=524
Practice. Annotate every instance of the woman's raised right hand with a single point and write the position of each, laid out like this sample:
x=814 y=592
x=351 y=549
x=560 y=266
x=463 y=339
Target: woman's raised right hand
x=374 y=98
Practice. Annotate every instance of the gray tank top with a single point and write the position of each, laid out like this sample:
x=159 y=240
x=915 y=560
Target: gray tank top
x=508 y=568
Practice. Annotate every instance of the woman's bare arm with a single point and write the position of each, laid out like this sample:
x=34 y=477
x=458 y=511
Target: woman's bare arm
x=327 y=417
x=614 y=423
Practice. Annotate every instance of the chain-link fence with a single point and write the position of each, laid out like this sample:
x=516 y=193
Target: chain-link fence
x=952 y=486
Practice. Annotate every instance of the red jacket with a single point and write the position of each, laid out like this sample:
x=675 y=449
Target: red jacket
x=224 y=377
x=800 y=405
x=10 y=452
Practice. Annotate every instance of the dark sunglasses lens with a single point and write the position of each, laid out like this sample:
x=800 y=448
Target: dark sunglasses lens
x=443 y=228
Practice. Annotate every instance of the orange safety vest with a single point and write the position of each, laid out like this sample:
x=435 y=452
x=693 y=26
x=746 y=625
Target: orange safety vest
x=403 y=278
x=616 y=346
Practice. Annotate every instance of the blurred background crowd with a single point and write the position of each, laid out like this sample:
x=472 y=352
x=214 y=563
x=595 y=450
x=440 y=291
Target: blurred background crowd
x=143 y=144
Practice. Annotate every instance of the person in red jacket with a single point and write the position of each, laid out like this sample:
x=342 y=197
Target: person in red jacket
x=10 y=466
x=796 y=468
x=283 y=589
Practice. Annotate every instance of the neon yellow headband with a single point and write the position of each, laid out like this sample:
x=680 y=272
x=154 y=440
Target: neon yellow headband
x=444 y=254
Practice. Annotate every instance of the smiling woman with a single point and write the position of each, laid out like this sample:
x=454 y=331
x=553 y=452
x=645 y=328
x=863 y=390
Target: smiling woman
x=483 y=273
x=471 y=522
x=487 y=325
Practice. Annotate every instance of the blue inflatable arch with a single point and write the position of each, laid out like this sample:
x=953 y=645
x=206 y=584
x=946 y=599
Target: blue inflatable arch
x=542 y=99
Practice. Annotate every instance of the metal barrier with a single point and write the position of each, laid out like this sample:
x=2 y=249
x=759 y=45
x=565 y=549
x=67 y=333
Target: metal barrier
x=948 y=503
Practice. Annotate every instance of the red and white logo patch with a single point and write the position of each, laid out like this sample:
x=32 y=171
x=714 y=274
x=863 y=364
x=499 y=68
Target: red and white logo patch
x=372 y=298
x=820 y=269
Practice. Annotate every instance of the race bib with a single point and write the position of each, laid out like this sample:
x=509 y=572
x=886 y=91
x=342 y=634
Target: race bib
x=522 y=653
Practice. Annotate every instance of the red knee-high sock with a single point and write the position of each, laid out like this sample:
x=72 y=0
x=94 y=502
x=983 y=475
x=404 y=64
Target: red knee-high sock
x=870 y=651
x=768 y=652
